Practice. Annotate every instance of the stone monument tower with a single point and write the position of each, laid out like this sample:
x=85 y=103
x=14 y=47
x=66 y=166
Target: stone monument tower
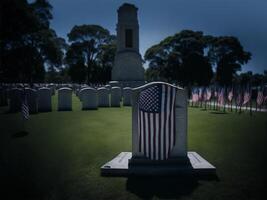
x=128 y=67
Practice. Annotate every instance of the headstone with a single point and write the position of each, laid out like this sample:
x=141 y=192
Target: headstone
x=115 y=96
x=89 y=98
x=65 y=99
x=52 y=88
x=31 y=95
x=128 y=61
x=114 y=83
x=127 y=96
x=44 y=100
x=159 y=136
x=15 y=99
x=3 y=96
x=108 y=87
x=103 y=97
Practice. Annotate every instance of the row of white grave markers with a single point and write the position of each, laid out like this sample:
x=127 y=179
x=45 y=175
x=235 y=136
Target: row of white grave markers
x=103 y=97
x=39 y=100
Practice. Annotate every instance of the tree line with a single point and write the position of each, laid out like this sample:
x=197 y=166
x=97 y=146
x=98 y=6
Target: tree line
x=31 y=51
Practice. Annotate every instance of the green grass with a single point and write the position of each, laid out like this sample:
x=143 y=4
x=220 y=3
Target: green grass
x=61 y=156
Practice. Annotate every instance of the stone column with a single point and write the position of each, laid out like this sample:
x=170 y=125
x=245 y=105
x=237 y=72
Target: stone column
x=128 y=61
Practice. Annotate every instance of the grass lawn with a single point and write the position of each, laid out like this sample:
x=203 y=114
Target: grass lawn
x=61 y=156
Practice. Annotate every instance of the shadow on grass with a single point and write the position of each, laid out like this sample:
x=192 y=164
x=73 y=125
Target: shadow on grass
x=20 y=134
x=218 y=113
x=162 y=187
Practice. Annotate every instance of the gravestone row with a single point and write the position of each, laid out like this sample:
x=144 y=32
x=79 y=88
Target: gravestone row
x=39 y=100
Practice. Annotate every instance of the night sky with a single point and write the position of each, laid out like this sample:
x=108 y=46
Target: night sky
x=245 y=19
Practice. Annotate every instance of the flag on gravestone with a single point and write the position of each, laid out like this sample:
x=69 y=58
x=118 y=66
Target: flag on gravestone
x=25 y=107
x=156 y=121
x=239 y=98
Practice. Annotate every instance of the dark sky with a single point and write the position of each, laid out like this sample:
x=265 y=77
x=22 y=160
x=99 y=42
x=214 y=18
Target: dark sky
x=245 y=19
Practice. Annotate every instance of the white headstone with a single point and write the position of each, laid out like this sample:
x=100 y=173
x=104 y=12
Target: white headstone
x=89 y=98
x=115 y=96
x=65 y=99
x=127 y=96
x=159 y=136
x=44 y=100
x=103 y=97
x=177 y=143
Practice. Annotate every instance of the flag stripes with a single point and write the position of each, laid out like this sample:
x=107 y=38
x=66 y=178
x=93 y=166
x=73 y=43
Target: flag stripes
x=25 y=108
x=260 y=98
x=156 y=121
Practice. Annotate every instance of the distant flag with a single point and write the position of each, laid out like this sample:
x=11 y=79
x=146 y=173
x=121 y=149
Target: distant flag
x=221 y=97
x=200 y=94
x=25 y=108
x=208 y=94
x=247 y=96
x=260 y=98
x=215 y=93
x=239 y=100
x=156 y=121
x=230 y=95
x=195 y=96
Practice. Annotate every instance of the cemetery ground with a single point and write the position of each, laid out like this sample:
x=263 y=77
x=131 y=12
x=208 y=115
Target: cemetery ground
x=61 y=156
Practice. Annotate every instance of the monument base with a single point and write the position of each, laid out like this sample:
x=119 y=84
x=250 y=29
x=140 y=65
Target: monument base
x=119 y=166
x=123 y=84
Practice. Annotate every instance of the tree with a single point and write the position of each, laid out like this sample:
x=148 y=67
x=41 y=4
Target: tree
x=228 y=55
x=27 y=42
x=88 y=42
x=180 y=58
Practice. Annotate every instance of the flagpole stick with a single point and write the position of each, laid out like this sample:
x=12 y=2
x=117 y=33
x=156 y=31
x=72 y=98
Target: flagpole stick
x=250 y=107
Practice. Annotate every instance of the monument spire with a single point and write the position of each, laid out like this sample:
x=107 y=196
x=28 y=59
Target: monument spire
x=128 y=62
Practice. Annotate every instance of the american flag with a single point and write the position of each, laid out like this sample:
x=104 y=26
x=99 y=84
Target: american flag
x=208 y=94
x=25 y=108
x=230 y=95
x=156 y=121
x=221 y=97
x=200 y=94
x=195 y=96
x=239 y=99
x=247 y=96
x=260 y=98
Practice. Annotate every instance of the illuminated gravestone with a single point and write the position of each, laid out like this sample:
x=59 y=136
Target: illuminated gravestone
x=128 y=69
x=159 y=135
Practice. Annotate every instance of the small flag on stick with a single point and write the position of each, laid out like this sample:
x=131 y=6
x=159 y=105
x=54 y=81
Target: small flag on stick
x=25 y=108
